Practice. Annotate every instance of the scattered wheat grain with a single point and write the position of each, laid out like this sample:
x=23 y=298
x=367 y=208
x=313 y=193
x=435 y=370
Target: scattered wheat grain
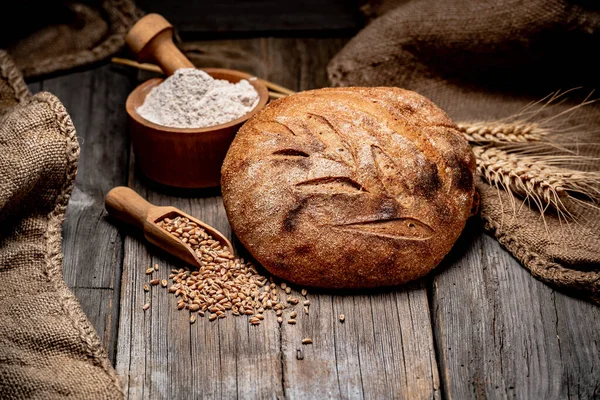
x=222 y=283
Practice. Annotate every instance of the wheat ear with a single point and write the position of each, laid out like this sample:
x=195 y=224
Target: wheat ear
x=482 y=132
x=527 y=125
x=533 y=179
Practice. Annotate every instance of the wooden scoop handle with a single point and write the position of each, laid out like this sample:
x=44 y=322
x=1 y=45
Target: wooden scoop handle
x=151 y=38
x=126 y=205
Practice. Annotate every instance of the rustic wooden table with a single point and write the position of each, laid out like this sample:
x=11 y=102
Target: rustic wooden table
x=478 y=326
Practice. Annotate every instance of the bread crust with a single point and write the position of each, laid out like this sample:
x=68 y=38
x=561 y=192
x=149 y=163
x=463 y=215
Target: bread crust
x=349 y=187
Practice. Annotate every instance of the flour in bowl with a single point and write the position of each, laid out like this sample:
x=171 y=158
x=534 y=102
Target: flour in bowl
x=191 y=98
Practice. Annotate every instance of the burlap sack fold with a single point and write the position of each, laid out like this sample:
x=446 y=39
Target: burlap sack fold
x=48 y=348
x=487 y=60
x=55 y=35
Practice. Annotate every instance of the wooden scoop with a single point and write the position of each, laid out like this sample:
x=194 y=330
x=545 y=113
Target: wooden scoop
x=151 y=38
x=126 y=205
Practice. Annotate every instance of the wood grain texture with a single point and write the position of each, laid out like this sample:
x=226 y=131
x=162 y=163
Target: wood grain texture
x=93 y=247
x=383 y=349
x=500 y=333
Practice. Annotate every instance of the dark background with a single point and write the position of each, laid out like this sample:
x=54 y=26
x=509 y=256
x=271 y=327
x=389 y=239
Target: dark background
x=201 y=19
x=207 y=19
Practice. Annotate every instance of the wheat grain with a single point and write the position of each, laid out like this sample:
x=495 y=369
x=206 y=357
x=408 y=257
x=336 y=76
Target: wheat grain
x=293 y=300
x=222 y=283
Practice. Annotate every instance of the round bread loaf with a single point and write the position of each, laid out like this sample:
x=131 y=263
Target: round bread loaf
x=349 y=187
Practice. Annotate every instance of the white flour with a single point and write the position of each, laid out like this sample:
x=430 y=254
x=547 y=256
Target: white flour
x=191 y=98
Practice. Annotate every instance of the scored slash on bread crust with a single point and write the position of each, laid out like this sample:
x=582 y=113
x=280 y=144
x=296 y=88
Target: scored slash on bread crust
x=349 y=187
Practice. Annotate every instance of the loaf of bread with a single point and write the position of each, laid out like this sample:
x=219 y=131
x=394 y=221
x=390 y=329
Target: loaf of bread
x=349 y=187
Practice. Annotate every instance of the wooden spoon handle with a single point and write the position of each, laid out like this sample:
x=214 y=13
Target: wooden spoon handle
x=151 y=38
x=126 y=205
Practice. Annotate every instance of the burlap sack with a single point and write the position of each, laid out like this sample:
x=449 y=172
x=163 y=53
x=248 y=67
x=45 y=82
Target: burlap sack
x=44 y=36
x=48 y=348
x=484 y=60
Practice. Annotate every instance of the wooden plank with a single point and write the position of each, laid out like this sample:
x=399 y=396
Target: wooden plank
x=578 y=337
x=385 y=348
x=98 y=305
x=501 y=333
x=234 y=16
x=92 y=247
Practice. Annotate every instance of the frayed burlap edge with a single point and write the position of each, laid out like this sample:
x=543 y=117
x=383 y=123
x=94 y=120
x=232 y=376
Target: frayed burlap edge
x=577 y=283
x=13 y=77
x=122 y=15
x=53 y=244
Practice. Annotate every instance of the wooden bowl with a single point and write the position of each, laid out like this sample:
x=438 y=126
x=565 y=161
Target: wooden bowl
x=185 y=157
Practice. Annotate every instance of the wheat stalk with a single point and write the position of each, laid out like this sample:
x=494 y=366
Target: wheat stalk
x=535 y=179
